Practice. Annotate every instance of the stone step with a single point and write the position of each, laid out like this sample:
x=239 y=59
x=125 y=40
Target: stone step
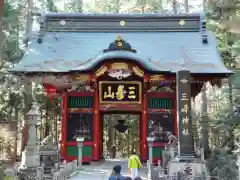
x=47 y=177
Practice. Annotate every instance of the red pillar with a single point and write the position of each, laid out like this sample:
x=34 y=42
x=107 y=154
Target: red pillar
x=64 y=126
x=144 y=129
x=96 y=126
x=101 y=138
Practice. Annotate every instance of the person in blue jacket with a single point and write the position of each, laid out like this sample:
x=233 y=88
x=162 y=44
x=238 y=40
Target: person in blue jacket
x=116 y=174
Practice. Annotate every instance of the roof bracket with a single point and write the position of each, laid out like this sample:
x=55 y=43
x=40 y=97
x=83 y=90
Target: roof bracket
x=204 y=32
x=119 y=45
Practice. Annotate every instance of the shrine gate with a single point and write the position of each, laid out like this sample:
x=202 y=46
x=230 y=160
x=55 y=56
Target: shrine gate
x=119 y=63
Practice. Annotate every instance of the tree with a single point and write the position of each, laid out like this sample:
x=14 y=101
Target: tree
x=222 y=123
x=1 y=32
x=51 y=6
x=186 y=6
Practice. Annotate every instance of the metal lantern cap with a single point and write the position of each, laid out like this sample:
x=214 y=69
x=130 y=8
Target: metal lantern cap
x=34 y=112
x=80 y=139
x=150 y=139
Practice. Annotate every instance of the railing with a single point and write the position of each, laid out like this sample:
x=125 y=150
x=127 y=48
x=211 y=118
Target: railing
x=158 y=173
x=165 y=177
x=64 y=173
x=10 y=174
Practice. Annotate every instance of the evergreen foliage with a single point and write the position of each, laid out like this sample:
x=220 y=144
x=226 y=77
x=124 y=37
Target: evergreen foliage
x=221 y=121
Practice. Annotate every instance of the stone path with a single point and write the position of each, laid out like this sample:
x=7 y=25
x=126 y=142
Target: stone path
x=102 y=170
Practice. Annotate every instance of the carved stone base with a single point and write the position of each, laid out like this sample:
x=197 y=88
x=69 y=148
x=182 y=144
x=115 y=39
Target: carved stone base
x=26 y=173
x=49 y=157
x=30 y=157
x=195 y=169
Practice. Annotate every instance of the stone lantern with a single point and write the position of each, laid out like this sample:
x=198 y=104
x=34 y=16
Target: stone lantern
x=150 y=141
x=30 y=163
x=34 y=116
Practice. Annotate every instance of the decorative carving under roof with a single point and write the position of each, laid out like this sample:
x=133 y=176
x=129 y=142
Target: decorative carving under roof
x=165 y=89
x=119 y=45
x=119 y=71
x=138 y=71
x=101 y=70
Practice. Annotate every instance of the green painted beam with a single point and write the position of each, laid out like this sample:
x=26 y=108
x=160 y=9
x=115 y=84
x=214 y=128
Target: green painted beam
x=157 y=152
x=73 y=151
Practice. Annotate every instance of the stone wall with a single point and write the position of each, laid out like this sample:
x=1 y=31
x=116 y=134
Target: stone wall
x=8 y=141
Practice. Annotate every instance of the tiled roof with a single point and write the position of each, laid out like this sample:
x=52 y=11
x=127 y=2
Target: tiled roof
x=156 y=51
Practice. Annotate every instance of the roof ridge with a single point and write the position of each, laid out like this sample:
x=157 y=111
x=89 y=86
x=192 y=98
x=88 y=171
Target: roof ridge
x=72 y=22
x=130 y=15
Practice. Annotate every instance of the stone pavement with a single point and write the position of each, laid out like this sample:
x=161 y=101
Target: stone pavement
x=102 y=170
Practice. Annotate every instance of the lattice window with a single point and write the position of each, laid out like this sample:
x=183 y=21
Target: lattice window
x=80 y=101
x=80 y=124
x=160 y=103
x=159 y=124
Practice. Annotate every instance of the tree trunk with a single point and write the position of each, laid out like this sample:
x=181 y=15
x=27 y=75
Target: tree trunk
x=204 y=5
x=27 y=107
x=1 y=32
x=204 y=138
x=47 y=128
x=174 y=6
x=29 y=19
x=186 y=5
x=232 y=142
x=27 y=85
x=118 y=6
x=51 y=6
x=79 y=6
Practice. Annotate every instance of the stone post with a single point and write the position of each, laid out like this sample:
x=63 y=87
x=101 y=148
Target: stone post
x=150 y=141
x=80 y=146
x=30 y=157
x=185 y=134
x=80 y=141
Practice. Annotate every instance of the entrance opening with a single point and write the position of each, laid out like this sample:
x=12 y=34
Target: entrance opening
x=120 y=135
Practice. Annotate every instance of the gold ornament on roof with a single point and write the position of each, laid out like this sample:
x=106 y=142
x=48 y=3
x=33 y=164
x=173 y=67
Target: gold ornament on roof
x=119 y=45
x=119 y=41
x=122 y=23
x=119 y=38
x=181 y=22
